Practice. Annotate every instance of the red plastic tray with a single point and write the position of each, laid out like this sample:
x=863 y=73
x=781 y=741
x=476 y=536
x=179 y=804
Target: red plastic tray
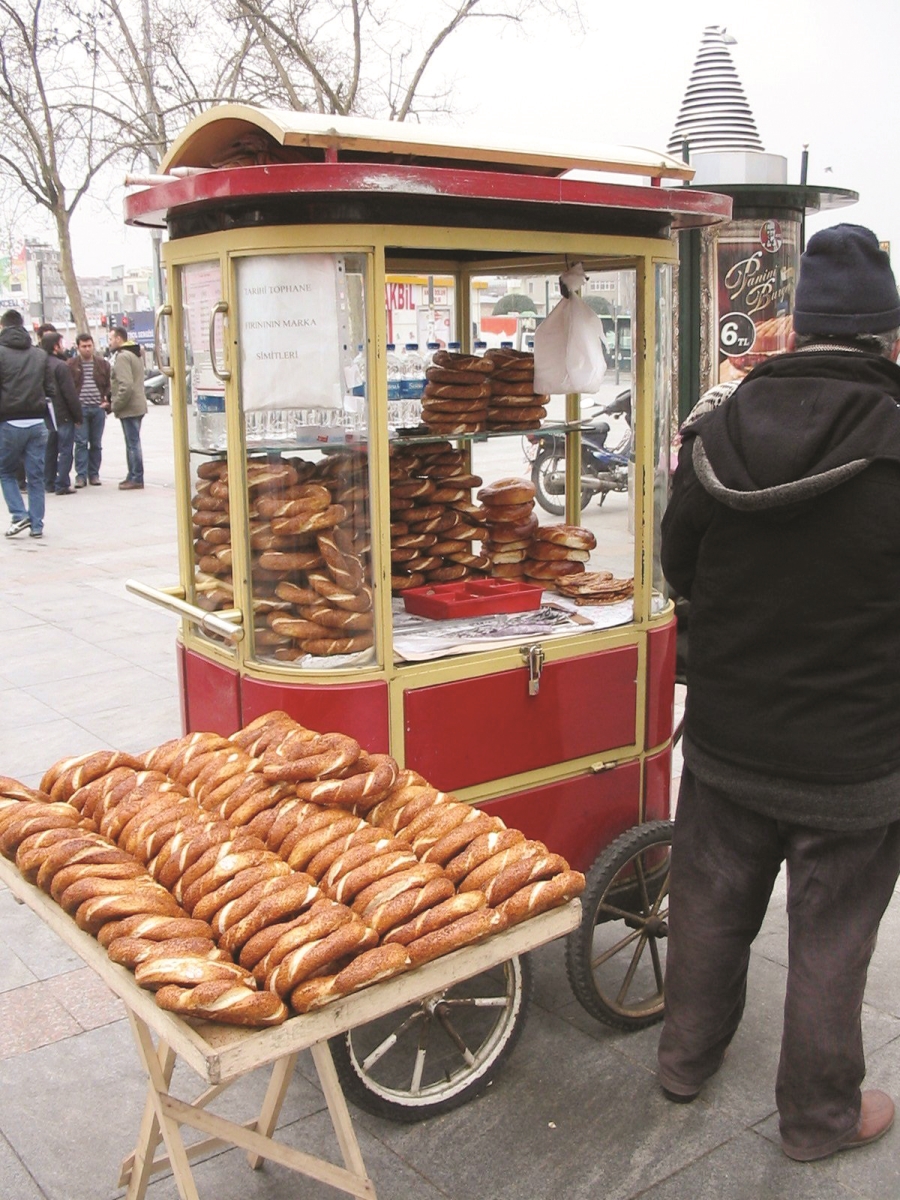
x=472 y=598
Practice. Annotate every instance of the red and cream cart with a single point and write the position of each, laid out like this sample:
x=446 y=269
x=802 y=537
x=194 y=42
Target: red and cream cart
x=283 y=231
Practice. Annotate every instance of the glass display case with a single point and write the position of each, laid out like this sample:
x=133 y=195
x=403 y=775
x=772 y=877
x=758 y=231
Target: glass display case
x=357 y=428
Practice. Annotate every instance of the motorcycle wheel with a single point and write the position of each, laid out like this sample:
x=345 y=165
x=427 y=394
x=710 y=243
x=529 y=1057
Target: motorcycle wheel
x=156 y=397
x=548 y=462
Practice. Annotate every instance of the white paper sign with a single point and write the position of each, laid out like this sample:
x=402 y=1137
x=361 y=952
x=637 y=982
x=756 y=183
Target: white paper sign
x=288 y=332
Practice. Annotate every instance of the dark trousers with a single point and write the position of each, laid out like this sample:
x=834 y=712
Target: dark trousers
x=725 y=859
x=131 y=430
x=58 y=460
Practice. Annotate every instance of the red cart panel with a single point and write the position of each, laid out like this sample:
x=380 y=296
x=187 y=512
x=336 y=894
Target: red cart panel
x=359 y=709
x=472 y=730
x=660 y=684
x=211 y=695
x=576 y=817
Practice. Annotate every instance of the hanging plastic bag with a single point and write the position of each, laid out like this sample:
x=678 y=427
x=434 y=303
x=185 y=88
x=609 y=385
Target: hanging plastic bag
x=568 y=345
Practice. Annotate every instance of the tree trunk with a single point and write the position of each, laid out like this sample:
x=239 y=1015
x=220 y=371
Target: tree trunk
x=67 y=270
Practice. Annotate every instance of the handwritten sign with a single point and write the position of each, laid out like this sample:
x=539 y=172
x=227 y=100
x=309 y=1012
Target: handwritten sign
x=288 y=332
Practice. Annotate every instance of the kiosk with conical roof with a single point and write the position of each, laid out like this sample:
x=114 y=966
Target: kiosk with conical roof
x=737 y=279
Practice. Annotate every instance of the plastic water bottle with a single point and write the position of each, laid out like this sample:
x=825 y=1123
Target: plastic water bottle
x=210 y=421
x=506 y=345
x=359 y=372
x=454 y=347
x=394 y=371
x=479 y=348
x=412 y=380
x=430 y=350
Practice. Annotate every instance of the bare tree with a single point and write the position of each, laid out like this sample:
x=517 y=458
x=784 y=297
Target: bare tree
x=363 y=56
x=51 y=141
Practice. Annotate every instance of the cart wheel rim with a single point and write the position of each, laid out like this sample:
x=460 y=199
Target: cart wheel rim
x=443 y=1017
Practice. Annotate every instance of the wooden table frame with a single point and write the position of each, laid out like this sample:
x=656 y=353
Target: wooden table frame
x=222 y=1054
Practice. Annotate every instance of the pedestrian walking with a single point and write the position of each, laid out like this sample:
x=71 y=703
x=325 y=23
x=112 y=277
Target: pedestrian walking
x=91 y=375
x=26 y=382
x=65 y=410
x=129 y=403
x=783 y=531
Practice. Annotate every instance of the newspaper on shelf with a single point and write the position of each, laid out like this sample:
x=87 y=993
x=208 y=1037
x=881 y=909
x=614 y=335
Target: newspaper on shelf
x=417 y=639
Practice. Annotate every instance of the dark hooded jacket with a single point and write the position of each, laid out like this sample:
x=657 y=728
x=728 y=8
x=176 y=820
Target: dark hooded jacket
x=26 y=376
x=784 y=532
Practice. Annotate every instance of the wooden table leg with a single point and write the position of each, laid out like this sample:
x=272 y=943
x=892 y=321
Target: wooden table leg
x=279 y=1082
x=337 y=1106
x=138 y=1167
x=167 y=1126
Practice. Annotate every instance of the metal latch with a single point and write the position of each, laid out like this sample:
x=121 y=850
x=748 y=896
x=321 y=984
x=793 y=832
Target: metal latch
x=534 y=660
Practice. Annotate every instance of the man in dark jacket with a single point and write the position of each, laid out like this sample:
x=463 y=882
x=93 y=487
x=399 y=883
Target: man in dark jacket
x=66 y=419
x=784 y=533
x=92 y=382
x=26 y=381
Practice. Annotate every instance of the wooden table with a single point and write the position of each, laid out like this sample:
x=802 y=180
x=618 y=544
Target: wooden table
x=222 y=1054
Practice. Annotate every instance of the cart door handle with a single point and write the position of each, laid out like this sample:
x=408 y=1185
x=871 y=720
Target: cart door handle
x=227 y=623
x=534 y=660
x=221 y=306
x=164 y=310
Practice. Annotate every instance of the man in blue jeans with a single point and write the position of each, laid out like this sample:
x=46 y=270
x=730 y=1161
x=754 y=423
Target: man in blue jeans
x=26 y=383
x=129 y=403
x=91 y=375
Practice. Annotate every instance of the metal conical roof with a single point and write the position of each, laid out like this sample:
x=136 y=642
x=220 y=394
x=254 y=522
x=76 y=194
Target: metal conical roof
x=715 y=114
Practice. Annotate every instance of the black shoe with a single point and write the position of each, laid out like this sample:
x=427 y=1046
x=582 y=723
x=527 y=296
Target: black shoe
x=36 y=533
x=678 y=1098
x=93 y=481
x=80 y=481
x=65 y=491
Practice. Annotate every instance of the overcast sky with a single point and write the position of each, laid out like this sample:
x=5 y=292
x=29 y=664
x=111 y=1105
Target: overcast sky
x=817 y=72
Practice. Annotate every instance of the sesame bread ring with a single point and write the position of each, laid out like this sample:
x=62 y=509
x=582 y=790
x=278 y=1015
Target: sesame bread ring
x=421 y=513
x=509 y=514
x=481 y=876
x=371 y=966
x=474 y=562
x=465 y=931
x=431 y=919
x=231 y=877
x=378 y=867
x=423 y=798
x=318 y=922
x=186 y=969
x=314 y=993
x=33 y=818
x=454 y=361
x=216 y=849
x=435 y=820
x=89 y=768
x=401 y=555
x=402 y=908
x=354 y=855
x=260 y=802
x=264 y=476
x=552 y=570
x=256 y=949
x=451 y=429
x=360 y=791
x=93 y=799
x=283 y=561
x=450 y=495
x=567 y=535
x=456 y=840
x=322 y=862
x=215 y=469
x=502 y=385
x=311 y=522
x=479 y=850
x=456 y=391
x=399 y=583
x=224 y=1002
x=32 y=850
x=222 y=798
x=538 y=897
x=186 y=846
x=448 y=574
x=306 y=498
x=356 y=601
x=345 y=567
x=508 y=556
x=371 y=898
x=306 y=848
x=551 y=552
x=424 y=564
x=294 y=898
x=294 y=593
x=93 y=914
x=507 y=491
x=153 y=929
x=325 y=756
x=386 y=812
x=288 y=814
x=515 y=414
x=296 y=627
x=130 y=951
x=337 y=618
x=308 y=823
x=444 y=375
x=508 y=570
x=518 y=874
x=314 y=957
x=412 y=489
x=66 y=877
x=40 y=862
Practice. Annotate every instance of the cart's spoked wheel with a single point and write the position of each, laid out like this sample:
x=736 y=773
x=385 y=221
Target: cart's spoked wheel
x=616 y=958
x=427 y=1058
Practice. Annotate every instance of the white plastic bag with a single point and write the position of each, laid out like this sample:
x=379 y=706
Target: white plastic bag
x=568 y=345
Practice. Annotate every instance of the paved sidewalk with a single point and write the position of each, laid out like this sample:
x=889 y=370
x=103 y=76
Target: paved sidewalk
x=575 y=1113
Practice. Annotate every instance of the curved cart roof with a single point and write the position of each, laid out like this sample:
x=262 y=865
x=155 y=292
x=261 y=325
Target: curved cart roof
x=239 y=165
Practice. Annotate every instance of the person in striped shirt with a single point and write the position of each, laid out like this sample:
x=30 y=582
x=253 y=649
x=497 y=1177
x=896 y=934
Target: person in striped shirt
x=92 y=382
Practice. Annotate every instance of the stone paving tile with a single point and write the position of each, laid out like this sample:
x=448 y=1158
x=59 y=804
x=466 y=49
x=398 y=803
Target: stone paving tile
x=31 y=1017
x=27 y=755
x=33 y=943
x=15 y=1180
x=13 y=972
x=86 y=998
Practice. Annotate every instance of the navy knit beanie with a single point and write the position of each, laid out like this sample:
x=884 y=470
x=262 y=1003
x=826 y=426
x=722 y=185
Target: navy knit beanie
x=846 y=285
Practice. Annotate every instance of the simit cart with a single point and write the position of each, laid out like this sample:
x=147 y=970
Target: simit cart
x=294 y=243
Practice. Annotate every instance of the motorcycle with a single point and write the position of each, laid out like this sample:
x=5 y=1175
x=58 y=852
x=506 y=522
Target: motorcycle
x=156 y=388
x=604 y=469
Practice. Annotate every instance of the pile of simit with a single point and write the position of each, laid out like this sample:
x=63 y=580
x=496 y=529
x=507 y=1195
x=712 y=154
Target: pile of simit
x=244 y=878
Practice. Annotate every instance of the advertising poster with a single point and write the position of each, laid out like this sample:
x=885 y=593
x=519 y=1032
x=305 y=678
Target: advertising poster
x=289 y=332
x=758 y=260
